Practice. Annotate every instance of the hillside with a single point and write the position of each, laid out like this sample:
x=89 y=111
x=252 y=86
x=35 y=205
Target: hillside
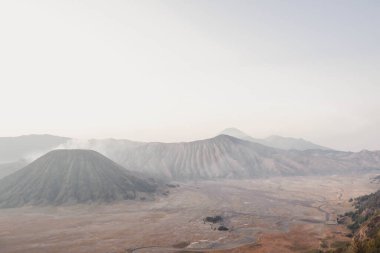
x=365 y=224
x=69 y=177
x=367 y=238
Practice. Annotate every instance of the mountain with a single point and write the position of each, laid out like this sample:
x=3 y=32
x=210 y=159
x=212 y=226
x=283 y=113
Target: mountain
x=275 y=141
x=225 y=156
x=70 y=177
x=15 y=148
x=234 y=132
x=228 y=157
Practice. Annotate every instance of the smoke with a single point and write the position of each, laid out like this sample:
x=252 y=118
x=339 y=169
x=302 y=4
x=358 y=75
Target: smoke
x=111 y=148
x=30 y=157
x=101 y=146
x=75 y=144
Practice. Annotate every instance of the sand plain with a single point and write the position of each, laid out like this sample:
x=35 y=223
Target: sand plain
x=284 y=214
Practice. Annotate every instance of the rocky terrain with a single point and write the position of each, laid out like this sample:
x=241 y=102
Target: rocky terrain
x=70 y=177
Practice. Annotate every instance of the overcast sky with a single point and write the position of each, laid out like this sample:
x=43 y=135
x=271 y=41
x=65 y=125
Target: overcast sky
x=185 y=70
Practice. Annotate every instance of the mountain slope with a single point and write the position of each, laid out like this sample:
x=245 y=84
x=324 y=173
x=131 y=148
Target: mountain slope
x=69 y=177
x=228 y=157
x=365 y=224
x=275 y=141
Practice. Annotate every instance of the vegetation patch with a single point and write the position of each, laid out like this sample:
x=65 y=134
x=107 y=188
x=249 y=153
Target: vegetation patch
x=365 y=225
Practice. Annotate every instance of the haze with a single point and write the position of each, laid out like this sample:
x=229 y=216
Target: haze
x=180 y=70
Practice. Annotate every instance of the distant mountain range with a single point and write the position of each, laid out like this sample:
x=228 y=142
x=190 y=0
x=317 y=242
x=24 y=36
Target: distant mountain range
x=32 y=146
x=275 y=141
x=21 y=147
x=10 y=167
x=70 y=177
x=226 y=156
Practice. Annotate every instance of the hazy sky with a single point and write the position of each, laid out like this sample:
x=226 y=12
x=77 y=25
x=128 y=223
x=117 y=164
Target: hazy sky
x=184 y=70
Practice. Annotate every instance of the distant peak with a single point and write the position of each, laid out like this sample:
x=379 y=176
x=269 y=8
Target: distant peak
x=237 y=133
x=232 y=131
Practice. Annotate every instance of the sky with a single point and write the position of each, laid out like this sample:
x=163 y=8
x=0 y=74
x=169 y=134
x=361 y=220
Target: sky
x=185 y=70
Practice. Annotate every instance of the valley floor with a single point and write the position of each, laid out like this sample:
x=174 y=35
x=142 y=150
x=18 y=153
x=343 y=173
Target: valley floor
x=290 y=214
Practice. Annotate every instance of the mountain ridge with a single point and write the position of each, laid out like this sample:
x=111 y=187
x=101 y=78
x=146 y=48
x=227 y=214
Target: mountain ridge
x=21 y=147
x=275 y=141
x=225 y=156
